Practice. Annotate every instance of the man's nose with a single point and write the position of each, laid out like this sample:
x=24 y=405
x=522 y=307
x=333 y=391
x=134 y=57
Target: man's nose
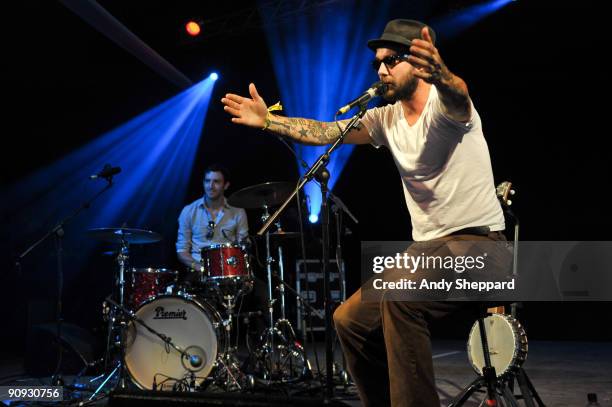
x=383 y=70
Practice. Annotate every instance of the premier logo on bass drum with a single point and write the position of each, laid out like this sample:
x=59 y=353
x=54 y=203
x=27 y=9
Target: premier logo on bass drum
x=178 y=314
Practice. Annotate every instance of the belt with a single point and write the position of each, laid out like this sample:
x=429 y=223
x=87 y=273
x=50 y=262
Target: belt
x=474 y=230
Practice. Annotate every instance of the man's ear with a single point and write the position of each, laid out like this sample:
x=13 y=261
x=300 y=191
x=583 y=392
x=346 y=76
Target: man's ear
x=226 y=186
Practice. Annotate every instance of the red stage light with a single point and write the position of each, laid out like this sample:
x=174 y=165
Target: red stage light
x=193 y=28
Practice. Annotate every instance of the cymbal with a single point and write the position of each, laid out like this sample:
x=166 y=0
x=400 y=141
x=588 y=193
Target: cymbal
x=119 y=235
x=258 y=196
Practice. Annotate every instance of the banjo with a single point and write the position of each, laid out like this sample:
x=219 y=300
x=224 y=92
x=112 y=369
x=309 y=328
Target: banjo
x=506 y=337
x=507 y=344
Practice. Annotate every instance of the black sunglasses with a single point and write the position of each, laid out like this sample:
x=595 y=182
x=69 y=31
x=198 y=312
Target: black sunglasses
x=211 y=229
x=389 y=61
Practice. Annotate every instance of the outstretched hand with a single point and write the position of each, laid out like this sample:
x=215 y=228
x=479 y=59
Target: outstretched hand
x=426 y=58
x=250 y=112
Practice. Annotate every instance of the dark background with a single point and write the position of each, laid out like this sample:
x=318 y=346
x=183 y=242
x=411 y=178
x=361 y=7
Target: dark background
x=535 y=70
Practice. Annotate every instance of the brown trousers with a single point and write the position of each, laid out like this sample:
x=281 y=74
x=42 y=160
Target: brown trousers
x=387 y=343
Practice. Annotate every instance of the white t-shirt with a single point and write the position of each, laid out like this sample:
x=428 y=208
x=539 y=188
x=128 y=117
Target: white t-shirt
x=444 y=165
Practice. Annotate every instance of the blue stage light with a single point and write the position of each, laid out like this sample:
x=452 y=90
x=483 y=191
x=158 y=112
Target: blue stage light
x=214 y=76
x=321 y=62
x=155 y=150
x=453 y=24
x=313 y=218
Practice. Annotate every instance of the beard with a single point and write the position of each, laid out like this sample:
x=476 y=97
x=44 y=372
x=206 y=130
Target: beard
x=402 y=92
x=212 y=195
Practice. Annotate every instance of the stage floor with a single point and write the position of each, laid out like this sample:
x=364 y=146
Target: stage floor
x=562 y=372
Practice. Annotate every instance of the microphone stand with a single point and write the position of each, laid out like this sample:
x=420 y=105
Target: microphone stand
x=338 y=207
x=58 y=231
x=342 y=206
x=319 y=171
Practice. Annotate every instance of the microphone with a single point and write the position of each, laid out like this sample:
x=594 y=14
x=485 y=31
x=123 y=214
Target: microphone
x=195 y=361
x=377 y=89
x=107 y=172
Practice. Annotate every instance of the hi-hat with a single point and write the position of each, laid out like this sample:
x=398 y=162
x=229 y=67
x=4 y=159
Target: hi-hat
x=261 y=195
x=124 y=235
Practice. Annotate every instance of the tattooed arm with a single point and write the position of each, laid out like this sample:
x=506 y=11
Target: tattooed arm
x=253 y=112
x=314 y=132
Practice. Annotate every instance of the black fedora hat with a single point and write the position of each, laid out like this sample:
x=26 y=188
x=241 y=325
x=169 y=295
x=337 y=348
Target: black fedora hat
x=400 y=32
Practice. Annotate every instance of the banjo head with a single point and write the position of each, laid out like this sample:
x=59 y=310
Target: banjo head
x=507 y=344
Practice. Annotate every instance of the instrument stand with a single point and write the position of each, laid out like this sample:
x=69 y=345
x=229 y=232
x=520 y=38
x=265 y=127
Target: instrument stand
x=58 y=232
x=514 y=306
x=342 y=371
x=116 y=318
x=318 y=169
x=279 y=354
x=116 y=315
x=323 y=176
x=521 y=376
x=122 y=259
x=499 y=390
x=229 y=376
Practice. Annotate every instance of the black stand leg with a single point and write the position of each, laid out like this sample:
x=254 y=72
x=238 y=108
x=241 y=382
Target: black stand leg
x=529 y=393
x=323 y=177
x=57 y=379
x=499 y=390
x=488 y=371
x=467 y=392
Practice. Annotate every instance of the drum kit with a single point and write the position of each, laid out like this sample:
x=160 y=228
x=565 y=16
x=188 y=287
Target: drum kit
x=168 y=336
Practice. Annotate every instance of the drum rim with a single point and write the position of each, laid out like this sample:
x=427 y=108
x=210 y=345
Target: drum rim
x=222 y=339
x=222 y=246
x=237 y=276
x=188 y=297
x=152 y=270
x=519 y=355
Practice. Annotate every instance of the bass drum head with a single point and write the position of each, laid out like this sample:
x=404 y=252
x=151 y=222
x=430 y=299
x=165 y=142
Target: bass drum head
x=507 y=344
x=192 y=325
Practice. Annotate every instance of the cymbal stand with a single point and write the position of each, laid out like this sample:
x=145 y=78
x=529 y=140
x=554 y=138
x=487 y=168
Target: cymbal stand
x=281 y=287
x=289 y=337
x=115 y=319
x=122 y=259
x=269 y=341
x=284 y=326
x=282 y=360
x=266 y=345
x=230 y=376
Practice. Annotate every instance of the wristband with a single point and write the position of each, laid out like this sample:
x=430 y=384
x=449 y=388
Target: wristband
x=274 y=107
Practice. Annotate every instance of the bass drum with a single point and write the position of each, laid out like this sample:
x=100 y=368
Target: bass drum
x=191 y=324
x=507 y=344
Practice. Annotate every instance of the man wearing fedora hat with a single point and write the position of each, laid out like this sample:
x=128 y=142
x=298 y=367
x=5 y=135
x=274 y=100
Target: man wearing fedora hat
x=435 y=136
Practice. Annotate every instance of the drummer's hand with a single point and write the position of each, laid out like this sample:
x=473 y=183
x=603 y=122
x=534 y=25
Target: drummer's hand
x=250 y=112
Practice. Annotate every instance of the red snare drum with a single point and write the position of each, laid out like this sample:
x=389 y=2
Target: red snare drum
x=225 y=260
x=144 y=283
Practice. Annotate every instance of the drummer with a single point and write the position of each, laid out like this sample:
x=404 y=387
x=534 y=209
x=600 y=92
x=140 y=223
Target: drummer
x=209 y=220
